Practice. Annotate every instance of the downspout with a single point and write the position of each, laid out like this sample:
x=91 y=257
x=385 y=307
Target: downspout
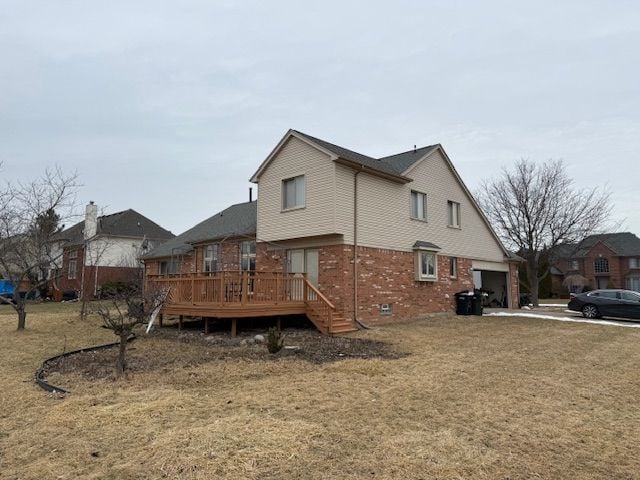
x=355 y=249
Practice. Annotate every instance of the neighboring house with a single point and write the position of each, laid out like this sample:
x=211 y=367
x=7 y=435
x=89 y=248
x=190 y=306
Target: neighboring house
x=609 y=260
x=375 y=239
x=102 y=249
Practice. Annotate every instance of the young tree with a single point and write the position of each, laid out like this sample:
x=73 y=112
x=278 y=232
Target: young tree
x=30 y=215
x=125 y=310
x=534 y=207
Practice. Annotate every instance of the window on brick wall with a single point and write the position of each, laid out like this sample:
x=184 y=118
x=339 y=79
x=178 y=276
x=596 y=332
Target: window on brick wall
x=634 y=263
x=573 y=265
x=210 y=260
x=453 y=267
x=293 y=192
x=418 y=205
x=170 y=267
x=72 y=271
x=248 y=255
x=426 y=265
x=601 y=265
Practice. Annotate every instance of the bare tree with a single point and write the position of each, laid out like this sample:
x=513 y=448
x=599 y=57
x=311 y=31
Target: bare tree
x=534 y=207
x=30 y=217
x=125 y=310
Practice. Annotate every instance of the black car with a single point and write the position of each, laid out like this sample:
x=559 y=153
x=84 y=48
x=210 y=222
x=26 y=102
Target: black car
x=607 y=303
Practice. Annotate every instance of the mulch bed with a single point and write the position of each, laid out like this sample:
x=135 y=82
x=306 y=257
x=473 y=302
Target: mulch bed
x=167 y=348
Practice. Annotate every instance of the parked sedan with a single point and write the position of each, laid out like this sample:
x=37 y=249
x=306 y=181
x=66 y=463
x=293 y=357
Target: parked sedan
x=607 y=303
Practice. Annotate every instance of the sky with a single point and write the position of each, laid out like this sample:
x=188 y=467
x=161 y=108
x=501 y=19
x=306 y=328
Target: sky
x=168 y=107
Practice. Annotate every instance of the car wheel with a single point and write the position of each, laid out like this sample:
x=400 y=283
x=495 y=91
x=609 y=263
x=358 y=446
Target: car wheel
x=590 y=311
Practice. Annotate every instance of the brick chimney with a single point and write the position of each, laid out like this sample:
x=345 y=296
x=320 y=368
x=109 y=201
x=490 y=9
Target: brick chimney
x=90 y=220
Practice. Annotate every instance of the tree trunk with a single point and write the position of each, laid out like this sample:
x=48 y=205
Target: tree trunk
x=534 y=281
x=121 y=364
x=21 y=310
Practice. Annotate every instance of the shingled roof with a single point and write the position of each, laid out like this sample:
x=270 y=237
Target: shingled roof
x=127 y=223
x=391 y=167
x=236 y=221
x=392 y=164
x=623 y=244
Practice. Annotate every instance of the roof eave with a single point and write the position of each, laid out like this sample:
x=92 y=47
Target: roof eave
x=378 y=173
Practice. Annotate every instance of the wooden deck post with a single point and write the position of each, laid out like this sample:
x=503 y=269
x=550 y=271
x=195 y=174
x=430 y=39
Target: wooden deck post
x=193 y=290
x=277 y=287
x=234 y=327
x=279 y=323
x=179 y=322
x=160 y=317
x=221 y=288
x=206 y=325
x=245 y=287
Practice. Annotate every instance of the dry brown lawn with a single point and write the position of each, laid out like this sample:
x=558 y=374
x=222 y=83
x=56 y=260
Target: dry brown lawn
x=476 y=398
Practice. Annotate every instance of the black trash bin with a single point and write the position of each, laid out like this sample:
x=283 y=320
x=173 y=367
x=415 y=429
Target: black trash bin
x=464 y=303
x=476 y=304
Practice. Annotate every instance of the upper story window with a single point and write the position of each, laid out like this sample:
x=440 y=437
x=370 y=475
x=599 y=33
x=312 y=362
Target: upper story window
x=418 y=205
x=601 y=265
x=293 y=192
x=634 y=263
x=573 y=265
x=210 y=258
x=453 y=210
x=248 y=255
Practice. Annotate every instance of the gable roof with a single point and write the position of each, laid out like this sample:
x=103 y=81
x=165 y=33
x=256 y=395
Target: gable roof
x=623 y=244
x=401 y=162
x=236 y=220
x=339 y=154
x=127 y=223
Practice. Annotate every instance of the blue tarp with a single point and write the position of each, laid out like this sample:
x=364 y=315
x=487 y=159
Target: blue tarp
x=6 y=288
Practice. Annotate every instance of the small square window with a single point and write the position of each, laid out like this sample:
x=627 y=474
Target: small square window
x=573 y=265
x=453 y=209
x=293 y=192
x=418 y=205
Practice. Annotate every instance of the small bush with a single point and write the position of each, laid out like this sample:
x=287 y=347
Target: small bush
x=275 y=340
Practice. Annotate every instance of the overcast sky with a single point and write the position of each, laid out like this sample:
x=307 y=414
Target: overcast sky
x=169 y=107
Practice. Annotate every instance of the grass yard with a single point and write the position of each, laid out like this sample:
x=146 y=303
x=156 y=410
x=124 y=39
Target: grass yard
x=472 y=398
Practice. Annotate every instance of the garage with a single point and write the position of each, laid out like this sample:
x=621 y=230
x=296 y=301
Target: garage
x=492 y=279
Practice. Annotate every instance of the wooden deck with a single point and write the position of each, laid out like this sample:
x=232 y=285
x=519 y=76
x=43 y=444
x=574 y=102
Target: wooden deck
x=246 y=295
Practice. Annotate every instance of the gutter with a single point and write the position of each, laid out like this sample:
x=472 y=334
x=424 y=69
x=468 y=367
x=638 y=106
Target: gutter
x=355 y=248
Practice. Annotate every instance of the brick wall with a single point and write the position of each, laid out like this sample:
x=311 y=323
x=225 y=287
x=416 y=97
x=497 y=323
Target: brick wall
x=388 y=277
x=616 y=267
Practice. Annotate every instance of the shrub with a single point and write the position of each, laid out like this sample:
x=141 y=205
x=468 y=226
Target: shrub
x=275 y=340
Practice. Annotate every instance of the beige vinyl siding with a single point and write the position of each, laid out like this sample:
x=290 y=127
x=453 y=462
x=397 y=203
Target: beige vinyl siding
x=384 y=211
x=318 y=215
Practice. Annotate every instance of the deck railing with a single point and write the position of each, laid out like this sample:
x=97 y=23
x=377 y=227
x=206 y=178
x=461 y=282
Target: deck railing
x=232 y=288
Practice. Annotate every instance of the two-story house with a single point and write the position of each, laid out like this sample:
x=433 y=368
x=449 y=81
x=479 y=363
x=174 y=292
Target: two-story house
x=102 y=249
x=366 y=239
x=609 y=260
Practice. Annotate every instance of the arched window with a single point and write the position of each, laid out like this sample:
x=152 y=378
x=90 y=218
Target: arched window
x=601 y=265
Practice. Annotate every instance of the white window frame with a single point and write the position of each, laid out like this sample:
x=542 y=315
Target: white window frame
x=453 y=267
x=574 y=265
x=298 y=190
x=420 y=275
x=601 y=265
x=210 y=255
x=418 y=199
x=634 y=262
x=454 y=214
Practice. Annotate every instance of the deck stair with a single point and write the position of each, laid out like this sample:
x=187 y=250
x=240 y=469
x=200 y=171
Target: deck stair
x=323 y=314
